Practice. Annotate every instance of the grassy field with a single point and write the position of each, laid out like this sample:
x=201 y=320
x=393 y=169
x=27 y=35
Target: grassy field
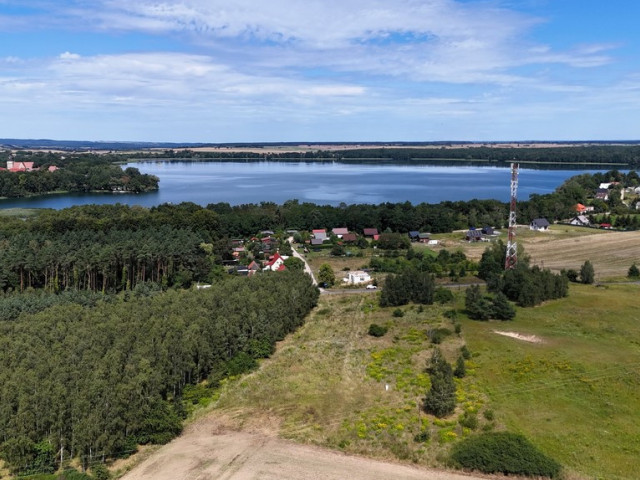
x=333 y=384
x=575 y=394
x=19 y=212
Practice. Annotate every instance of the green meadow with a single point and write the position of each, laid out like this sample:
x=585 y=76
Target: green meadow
x=574 y=392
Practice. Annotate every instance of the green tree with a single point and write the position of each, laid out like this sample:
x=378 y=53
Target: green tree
x=502 y=309
x=587 y=273
x=634 y=271
x=460 y=370
x=326 y=275
x=441 y=398
x=477 y=305
x=294 y=263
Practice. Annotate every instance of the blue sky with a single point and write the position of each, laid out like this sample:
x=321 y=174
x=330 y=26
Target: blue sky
x=320 y=70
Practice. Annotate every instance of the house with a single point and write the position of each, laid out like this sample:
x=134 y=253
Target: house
x=580 y=208
x=275 y=263
x=316 y=242
x=414 y=235
x=433 y=242
x=424 y=237
x=488 y=230
x=473 y=235
x=602 y=194
x=371 y=232
x=14 y=166
x=580 y=220
x=349 y=238
x=606 y=226
x=357 y=277
x=52 y=168
x=320 y=234
x=267 y=232
x=253 y=268
x=340 y=232
x=539 y=225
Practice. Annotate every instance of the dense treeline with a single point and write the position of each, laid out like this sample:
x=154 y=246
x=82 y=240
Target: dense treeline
x=76 y=173
x=89 y=382
x=97 y=261
x=628 y=155
x=527 y=286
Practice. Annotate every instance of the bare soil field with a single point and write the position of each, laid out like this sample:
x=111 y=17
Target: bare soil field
x=207 y=450
x=611 y=253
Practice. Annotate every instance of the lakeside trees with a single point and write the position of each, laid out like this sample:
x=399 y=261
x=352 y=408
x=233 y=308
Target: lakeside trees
x=75 y=173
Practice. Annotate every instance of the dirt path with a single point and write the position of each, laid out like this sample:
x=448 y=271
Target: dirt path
x=206 y=452
x=307 y=268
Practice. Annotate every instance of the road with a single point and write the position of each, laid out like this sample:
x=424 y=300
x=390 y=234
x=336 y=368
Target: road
x=206 y=451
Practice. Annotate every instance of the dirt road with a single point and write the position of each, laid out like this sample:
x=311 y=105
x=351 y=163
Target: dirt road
x=207 y=452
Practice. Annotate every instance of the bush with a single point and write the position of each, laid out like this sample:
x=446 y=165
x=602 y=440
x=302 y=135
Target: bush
x=376 y=330
x=505 y=453
x=398 y=313
x=469 y=420
x=443 y=295
x=422 y=437
x=437 y=335
x=464 y=351
x=633 y=272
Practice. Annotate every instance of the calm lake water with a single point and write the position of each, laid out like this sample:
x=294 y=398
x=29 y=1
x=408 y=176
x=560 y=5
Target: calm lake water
x=321 y=183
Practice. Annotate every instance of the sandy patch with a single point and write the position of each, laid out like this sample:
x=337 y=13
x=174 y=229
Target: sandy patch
x=519 y=336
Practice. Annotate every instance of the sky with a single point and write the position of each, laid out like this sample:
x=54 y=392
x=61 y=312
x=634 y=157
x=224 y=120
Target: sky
x=320 y=70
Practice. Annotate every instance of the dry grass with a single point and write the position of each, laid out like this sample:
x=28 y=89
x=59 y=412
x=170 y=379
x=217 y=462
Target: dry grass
x=611 y=253
x=332 y=384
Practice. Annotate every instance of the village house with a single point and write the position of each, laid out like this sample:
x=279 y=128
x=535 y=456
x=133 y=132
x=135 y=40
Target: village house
x=340 y=232
x=357 y=277
x=539 y=225
x=276 y=263
x=371 y=233
x=349 y=238
x=14 y=166
x=580 y=220
x=602 y=194
x=473 y=235
x=414 y=235
x=319 y=234
x=580 y=208
x=424 y=237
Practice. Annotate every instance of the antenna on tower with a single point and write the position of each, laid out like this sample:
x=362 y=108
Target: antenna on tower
x=512 y=248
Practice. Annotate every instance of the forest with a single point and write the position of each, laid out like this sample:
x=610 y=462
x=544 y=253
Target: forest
x=94 y=381
x=620 y=155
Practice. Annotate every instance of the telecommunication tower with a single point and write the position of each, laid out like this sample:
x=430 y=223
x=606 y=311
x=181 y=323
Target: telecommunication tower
x=512 y=248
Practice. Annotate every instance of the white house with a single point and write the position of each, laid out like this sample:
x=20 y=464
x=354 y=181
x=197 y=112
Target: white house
x=540 y=225
x=357 y=277
x=580 y=220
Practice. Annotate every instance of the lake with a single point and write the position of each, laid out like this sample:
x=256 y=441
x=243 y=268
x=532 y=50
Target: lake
x=322 y=183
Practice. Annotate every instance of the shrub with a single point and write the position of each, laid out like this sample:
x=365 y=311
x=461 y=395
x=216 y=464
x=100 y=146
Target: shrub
x=460 y=370
x=503 y=452
x=437 y=335
x=398 y=313
x=422 y=437
x=376 y=330
x=464 y=351
x=469 y=420
x=489 y=415
x=634 y=272
x=443 y=295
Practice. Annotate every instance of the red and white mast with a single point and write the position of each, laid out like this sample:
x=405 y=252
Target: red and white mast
x=512 y=248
